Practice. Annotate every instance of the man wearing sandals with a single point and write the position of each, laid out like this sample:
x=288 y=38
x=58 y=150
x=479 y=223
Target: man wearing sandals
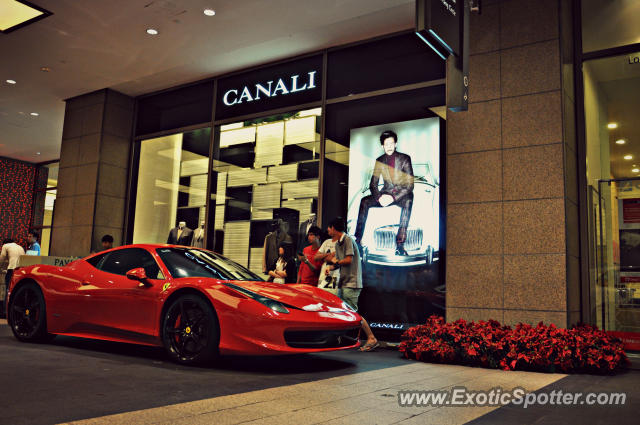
x=347 y=259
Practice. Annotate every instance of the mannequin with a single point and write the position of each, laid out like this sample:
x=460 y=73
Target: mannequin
x=304 y=229
x=198 y=236
x=271 y=243
x=180 y=235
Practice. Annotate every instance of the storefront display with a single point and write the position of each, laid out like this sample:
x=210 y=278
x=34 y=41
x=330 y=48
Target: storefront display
x=288 y=148
x=266 y=184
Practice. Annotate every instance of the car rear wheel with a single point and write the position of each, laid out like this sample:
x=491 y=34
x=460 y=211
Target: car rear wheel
x=28 y=315
x=190 y=330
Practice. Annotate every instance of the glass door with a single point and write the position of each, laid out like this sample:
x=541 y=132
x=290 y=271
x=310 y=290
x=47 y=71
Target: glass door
x=613 y=175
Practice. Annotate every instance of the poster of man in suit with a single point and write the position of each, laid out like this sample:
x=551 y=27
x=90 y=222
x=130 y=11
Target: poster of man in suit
x=394 y=215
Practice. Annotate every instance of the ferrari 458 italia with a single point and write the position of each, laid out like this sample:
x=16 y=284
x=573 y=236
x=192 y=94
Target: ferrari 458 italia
x=195 y=303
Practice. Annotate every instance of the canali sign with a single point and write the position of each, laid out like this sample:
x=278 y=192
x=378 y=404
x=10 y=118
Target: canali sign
x=272 y=88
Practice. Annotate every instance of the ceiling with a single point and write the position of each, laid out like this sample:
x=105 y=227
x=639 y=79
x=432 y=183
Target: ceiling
x=618 y=80
x=90 y=45
x=609 y=23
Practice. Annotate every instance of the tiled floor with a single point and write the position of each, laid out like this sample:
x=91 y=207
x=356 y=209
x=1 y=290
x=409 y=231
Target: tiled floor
x=367 y=397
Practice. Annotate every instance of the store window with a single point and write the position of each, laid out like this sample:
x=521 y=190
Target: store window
x=266 y=174
x=171 y=193
x=613 y=182
x=44 y=203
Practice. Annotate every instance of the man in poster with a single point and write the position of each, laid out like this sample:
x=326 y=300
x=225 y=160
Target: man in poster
x=397 y=174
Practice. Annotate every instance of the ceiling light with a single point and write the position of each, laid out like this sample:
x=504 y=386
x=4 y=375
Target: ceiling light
x=636 y=170
x=45 y=69
x=152 y=31
x=11 y=81
x=612 y=125
x=37 y=153
x=35 y=114
x=627 y=157
x=17 y=14
x=209 y=12
x=620 y=142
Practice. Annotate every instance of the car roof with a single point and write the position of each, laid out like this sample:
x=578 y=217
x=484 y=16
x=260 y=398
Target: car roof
x=146 y=246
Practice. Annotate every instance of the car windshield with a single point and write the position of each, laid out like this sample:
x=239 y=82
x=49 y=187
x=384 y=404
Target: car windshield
x=185 y=262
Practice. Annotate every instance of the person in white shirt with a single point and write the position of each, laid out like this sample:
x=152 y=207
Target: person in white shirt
x=328 y=279
x=11 y=251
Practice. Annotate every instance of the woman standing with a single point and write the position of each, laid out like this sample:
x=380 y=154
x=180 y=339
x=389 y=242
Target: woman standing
x=285 y=271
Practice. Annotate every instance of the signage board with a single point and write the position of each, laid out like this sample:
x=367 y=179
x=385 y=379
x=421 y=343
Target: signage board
x=273 y=87
x=444 y=26
x=439 y=23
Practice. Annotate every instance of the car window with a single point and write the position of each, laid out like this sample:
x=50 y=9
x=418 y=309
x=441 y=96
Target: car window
x=123 y=260
x=95 y=261
x=184 y=262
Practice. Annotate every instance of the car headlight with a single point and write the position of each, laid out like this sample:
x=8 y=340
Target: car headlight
x=268 y=302
x=347 y=306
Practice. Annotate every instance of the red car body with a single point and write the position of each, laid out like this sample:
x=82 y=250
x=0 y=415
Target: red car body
x=83 y=301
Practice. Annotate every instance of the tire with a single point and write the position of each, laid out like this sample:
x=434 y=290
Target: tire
x=27 y=314
x=194 y=340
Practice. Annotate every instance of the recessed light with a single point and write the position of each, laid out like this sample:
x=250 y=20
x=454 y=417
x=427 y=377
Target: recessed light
x=152 y=31
x=636 y=170
x=35 y=114
x=620 y=142
x=11 y=81
x=628 y=157
x=209 y=12
x=612 y=125
x=45 y=69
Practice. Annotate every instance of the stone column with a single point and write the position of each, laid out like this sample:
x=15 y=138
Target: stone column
x=92 y=181
x=512 y=252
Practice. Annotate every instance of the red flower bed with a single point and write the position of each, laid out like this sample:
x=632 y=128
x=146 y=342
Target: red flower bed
x=538 y=348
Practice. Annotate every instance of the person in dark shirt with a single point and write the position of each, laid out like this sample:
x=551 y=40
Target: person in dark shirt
x=285 y=270
x=396 y=171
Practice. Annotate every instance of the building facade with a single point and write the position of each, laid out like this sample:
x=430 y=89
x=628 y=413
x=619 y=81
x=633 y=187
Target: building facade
x=511 y=218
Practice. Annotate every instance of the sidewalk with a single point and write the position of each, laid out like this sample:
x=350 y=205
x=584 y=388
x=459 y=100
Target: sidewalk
x=369 y=397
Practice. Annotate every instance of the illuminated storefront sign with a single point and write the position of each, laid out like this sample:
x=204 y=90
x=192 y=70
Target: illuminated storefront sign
x=282 y=86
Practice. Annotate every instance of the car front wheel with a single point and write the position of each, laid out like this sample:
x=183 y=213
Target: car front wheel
x=190 y=330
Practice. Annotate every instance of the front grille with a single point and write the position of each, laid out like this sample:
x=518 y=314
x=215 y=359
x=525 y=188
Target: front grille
x=385 y=238
x=322 y=339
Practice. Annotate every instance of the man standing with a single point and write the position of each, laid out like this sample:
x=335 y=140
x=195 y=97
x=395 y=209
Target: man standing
x=34 y=246
x=309 y=266
x=397 y=173
x=347 y=259
x=11 y=251
x=328 y=279
x=107 y=242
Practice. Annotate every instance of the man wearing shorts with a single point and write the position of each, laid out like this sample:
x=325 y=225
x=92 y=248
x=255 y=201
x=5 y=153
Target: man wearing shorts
x=347 y=260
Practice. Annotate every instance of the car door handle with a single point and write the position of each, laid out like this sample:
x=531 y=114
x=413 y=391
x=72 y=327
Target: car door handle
x=85 y=282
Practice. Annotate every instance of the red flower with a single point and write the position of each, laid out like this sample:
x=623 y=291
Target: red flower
x=489 y=344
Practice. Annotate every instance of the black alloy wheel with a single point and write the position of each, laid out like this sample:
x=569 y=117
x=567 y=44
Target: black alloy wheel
x=190 y=330
x=27 y=314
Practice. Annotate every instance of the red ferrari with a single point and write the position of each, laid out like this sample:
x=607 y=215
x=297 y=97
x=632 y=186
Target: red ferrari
x=195 y=303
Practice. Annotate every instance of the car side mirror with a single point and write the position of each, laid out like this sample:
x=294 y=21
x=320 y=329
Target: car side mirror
x=140 y=275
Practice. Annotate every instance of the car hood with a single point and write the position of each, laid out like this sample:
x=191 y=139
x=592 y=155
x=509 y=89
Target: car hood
x=299 y=296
